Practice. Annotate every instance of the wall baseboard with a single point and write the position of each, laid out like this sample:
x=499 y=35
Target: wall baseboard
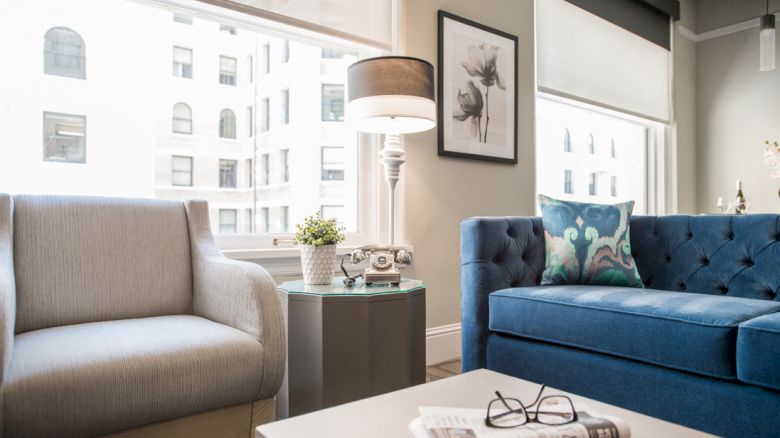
x=442 y=344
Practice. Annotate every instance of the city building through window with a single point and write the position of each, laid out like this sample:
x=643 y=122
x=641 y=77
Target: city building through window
x=64 y=53
x=332 y=159
x=227 y=123
x=182 y=119
x=332 y=102
x=181 y=171
x=228 y=174
x=227 y=70
x=228 y=220
x=182 y=62
x=64 y=137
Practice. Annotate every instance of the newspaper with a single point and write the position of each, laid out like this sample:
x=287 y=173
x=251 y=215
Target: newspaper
x=438 y=422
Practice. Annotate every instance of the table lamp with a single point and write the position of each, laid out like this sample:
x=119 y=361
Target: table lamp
x=391 y=95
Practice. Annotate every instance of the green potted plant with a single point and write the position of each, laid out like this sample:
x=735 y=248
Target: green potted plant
x=318 y=238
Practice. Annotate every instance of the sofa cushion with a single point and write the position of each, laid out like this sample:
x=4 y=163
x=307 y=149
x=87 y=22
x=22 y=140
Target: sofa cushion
x=685 y=331
x=89 y=379
x=758 y=344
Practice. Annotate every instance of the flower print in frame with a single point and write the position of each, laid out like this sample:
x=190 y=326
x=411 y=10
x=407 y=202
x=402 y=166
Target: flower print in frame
x=477 y=91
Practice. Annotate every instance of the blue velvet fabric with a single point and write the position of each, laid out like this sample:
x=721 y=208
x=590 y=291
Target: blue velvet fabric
x=758 y=352
x=726 y=408
x=691 y=332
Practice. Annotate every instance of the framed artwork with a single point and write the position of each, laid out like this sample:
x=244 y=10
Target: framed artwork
x=477 y=91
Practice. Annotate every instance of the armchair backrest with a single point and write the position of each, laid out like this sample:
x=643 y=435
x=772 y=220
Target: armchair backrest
x=84 y=259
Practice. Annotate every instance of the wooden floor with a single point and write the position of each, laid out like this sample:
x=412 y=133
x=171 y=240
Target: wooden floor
x=442 y=370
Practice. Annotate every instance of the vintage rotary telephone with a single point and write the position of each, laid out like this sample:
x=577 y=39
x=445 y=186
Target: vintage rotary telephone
x=382 y=260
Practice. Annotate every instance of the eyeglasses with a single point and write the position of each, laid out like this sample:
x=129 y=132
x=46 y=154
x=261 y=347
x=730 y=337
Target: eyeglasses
x=553 y=410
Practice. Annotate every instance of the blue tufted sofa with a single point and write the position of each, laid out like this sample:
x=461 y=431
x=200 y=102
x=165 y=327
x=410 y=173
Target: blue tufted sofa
x=699 y=346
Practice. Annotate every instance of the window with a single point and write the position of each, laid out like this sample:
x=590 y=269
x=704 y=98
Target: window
x=250 y=121
x=580 y=176
x=64 y=138
x=265 y=122
x=227 y=29
x=181 y=171
x=285 y=106
x=332 y=163
x=265 y=213
x=250 y=173
x=285 y=159
x=332 y=54
x=250 y=218
x=567 y=141
x=612 y=149
x=227 y=124
x=286 y=52
x=265 y=169
x=227 y=220
x=613 y=185
x=285 y=219
x=227 y=70
x=182 y=18
x=64 y=53
x=227 y=174
x=267 y=58
x=182 y=62
x=251 y=65
x=592 y=145
x=182 y=119
x=332 y=102
x=332 y=212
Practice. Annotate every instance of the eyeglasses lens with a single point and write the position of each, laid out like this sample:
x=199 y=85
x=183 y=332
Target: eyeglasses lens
x=507 y=415
x=555 y=410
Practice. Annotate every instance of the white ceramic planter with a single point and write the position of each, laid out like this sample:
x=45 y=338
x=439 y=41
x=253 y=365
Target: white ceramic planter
x=317 y=263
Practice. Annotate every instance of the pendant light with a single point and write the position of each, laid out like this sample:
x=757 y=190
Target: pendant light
x=767 y=40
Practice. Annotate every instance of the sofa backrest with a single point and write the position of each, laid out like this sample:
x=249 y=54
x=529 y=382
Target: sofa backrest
x=722 y=255
x=85 y=259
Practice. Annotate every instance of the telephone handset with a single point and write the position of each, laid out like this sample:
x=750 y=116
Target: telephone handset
x=382 y=260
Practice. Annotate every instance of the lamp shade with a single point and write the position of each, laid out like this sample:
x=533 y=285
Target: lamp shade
x=391 y=95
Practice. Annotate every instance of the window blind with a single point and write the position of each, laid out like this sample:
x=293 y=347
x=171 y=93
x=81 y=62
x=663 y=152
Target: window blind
x=584 y=57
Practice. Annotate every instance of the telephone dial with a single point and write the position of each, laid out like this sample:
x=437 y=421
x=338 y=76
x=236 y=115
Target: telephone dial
x=382 y=261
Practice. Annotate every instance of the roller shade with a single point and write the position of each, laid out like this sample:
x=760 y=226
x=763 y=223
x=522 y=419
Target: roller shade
x=582 y=56
x=366 y=21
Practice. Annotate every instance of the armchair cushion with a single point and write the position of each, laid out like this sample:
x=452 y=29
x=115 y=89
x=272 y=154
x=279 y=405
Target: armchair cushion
x=94 y=378
x=689 y=332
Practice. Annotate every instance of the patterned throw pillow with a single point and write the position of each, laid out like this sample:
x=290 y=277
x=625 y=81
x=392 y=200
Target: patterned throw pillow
x=588 y=243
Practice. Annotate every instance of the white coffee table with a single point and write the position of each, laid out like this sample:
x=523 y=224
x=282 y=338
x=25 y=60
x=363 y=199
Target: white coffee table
x=389 y=415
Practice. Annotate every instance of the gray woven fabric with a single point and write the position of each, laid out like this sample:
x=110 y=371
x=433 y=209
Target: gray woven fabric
x=240 y=294
x=7 y=285
x=84 y=259
x=88 y=379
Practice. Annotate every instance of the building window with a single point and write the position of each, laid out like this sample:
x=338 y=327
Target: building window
x=250 y=218
x=227 y=174
x=285 y=106
x=567 y=186
x=266 y=52
x=64 y=138
x=332 y=159
x=592 y=145
x=265 y=214
x=264 y=169
x=592 y=184
x=250 y=121
x=285 y=158
x=227 y=220
x=231 y=30
x=286 y=52
x=332 y=54
x=64 y=53
x=567 y=140
x=227 y=123
x=265 y=107
x=182 y=18
x=251 y=65
x=227 y=70
x=332 y=102
x=182 y=119
x=285 y=219
x=181 y=171
x=182 y=62
x=612 y=149
x=250 y=173
x=613 y=185
x=333 y=212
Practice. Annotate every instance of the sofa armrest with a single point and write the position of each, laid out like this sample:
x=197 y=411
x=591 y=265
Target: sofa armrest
x=7 y=283
x=238 y=294
x=496 y=253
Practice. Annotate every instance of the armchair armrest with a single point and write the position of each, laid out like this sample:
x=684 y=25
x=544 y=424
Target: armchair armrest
x=238 y=294
x=7 y=283
x=496 y=253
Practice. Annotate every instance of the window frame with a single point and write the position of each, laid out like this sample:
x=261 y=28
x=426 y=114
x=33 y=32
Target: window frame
x=174 y=119
x=234 y=211
x=50 y=54
x=227 y=124
x=191 y=64
x=224 y=177
x=191 y=171
x=48 y=138
x=224 y=74
x=322 y=101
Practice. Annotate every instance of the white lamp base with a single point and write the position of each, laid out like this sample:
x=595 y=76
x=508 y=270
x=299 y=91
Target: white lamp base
x=392 y=157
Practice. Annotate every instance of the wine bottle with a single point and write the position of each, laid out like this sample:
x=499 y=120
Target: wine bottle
x=740 y=205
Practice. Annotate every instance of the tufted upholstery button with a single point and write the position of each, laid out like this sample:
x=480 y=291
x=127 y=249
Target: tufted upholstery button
x=496 y=259
x=749 y=263
x=705 y=261
x=723 y=288
x=690 y=236
x=777 y=237
x=682 y=286
x=668 y=259
x=731 y=236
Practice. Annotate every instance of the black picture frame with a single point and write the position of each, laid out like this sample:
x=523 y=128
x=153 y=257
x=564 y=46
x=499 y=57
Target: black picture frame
x=445 y=100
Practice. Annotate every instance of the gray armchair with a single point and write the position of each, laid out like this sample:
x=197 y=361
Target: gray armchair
x=121 y=315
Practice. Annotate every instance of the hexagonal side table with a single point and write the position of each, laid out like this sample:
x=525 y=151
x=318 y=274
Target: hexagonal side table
x=345 y=344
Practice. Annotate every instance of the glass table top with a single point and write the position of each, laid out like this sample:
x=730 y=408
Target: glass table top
x=360 y=289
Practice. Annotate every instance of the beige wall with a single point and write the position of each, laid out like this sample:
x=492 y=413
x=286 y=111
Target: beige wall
x=737 y=108
x=439 y=192
x=684 y=100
